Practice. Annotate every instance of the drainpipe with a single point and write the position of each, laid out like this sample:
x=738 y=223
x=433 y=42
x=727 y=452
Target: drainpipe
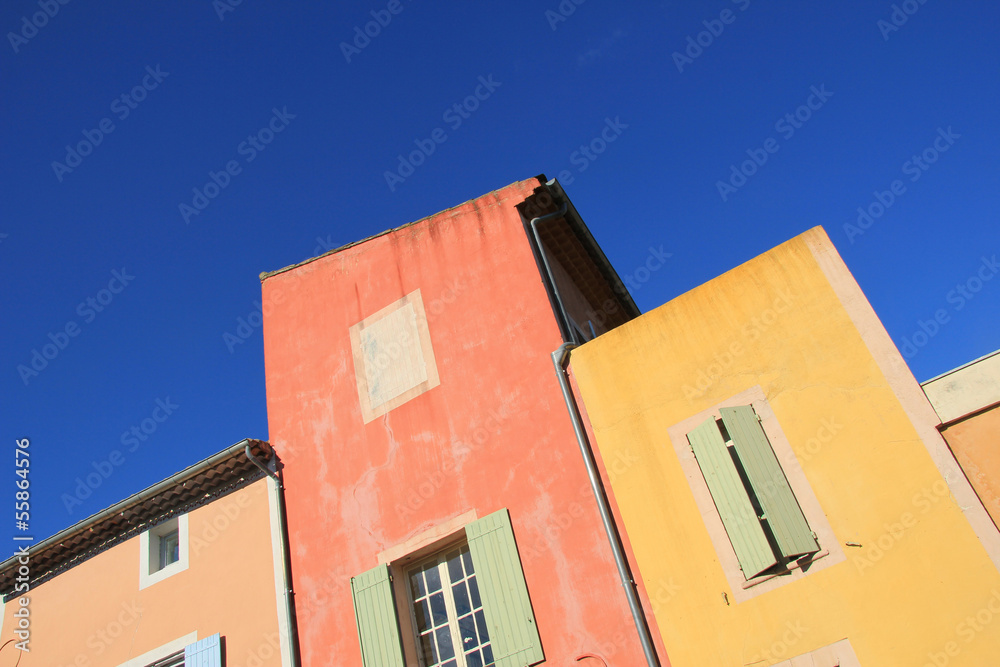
x=560 y=358
x=279 y=492
x=564 y=319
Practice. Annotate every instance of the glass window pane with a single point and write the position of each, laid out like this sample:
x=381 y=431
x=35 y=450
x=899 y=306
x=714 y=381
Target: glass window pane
x=417 y=585
x=462 y=605
x=481 y=623
x=455 y=567
x=423 y=615
x=433 y=579
x=467 y=629
x=445 y=647
x=474 y=660
x=427 y=648
x=488 y=655
x=467 y=559
x=474 y=593
x=169 y=549
x=438 y=611
x=450 y=663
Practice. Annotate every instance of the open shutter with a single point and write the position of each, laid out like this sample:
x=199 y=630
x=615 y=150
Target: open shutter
x=378 y=624
x=204 y=653
x=509 y=618
x=172 y=660
x=737 y=513
x=782 y=511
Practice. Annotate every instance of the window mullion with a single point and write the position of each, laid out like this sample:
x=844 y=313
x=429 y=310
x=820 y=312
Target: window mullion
x=449 y=605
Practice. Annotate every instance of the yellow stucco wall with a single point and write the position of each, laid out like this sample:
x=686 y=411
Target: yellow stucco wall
x=909 y=595
x=95 y=615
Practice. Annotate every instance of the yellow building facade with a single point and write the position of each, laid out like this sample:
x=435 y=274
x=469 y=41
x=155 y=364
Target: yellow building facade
x=867 y=548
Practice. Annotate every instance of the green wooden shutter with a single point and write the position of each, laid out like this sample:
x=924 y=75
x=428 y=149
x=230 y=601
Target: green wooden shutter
x=509 y=618
x=782 y=511
x=737 y=513
x=204 y=653
x=378 y=624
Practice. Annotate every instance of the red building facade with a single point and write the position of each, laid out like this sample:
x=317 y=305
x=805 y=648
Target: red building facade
x=439 y=509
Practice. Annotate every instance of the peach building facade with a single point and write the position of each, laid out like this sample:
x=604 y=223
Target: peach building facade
x=188 y=572
x=967 y=401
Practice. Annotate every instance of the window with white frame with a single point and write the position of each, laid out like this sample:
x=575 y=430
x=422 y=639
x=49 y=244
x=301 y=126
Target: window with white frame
x=465 y=605
x=169 y=548
x=163 y=550
x=447 y=612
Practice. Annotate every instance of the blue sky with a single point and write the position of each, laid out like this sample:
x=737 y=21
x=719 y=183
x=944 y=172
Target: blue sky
x=158 y=157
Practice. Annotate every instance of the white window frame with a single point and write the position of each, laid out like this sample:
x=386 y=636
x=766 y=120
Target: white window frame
x=383 y=629
x=150 y=571
x=439 y=557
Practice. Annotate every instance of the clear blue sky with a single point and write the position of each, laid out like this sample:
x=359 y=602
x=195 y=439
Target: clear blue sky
x=197 y=87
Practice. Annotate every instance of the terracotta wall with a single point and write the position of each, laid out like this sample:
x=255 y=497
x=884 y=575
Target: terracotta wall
x=493 y=434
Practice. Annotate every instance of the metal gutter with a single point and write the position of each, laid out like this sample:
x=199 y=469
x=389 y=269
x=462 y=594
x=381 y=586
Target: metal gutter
x=556 y=195
x=563 y=317
x=289 y=595
x=560 y=359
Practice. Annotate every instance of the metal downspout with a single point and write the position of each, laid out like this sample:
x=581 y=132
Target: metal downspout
x=293 y=633
x=564 y=319
x=560 y=358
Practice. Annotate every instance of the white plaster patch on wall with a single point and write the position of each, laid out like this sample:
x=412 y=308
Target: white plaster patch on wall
x=394 y=362
x=393 y=358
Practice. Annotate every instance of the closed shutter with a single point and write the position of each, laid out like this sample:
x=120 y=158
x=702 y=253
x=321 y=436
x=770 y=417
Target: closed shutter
x=509 y=618
x=378 y=624
x=204 y=653
x=782 y=511
x=738 y=516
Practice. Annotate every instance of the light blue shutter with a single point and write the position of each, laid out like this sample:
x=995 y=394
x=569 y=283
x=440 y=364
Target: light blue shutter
x=378 y=624
x=204 y=653
x=735 y=509
x=509 y=618
x=782 y=511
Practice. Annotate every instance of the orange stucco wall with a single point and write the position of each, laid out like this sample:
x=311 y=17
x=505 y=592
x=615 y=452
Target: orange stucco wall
x=976 y=444
x=94 y=615
x=495 y=433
